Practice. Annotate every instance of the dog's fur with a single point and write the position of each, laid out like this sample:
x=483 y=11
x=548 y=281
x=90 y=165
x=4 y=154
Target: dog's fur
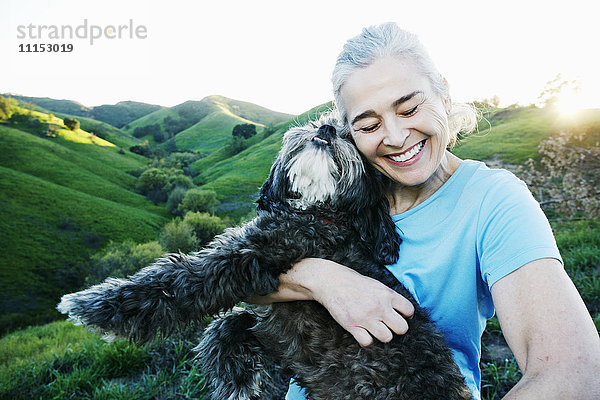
x=320 y=200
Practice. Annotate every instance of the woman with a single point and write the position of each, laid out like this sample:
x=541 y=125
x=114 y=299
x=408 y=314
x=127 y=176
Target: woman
x=475 y=241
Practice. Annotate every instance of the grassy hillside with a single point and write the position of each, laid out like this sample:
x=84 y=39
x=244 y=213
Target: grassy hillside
x=104 y=130
x=116 y=115
x=63 y=106
x=512 y=134
x=61 y=199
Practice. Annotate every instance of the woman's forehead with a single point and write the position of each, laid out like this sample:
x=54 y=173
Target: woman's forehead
x=384 y=83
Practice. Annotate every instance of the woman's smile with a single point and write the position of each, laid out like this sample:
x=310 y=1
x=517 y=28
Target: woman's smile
x=409 y=156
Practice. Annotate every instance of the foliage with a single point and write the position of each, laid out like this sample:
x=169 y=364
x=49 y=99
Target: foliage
x=7 y=106
x=205 y=226
x=198 y=200
x=120 y=260
x=72 y=123
x=174 y=200
x=152 y=179
x=177 y=236
x=147 y=150
x=245 y=131
x=148 y=130
x=567 y=177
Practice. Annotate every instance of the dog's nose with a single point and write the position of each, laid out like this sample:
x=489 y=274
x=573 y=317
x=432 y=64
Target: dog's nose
x=325 y=134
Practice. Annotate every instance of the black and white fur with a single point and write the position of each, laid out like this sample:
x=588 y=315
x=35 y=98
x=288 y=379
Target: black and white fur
x=320 y=200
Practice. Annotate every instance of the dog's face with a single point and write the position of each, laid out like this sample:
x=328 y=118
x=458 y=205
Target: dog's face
x=317 y=165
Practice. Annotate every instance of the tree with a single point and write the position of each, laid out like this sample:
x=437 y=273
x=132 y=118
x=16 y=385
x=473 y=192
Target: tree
x=245 y=131
x=71 y=123
x=555 y=88
x=198 y=200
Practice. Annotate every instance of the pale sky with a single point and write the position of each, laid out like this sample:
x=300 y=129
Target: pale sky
x=279 y=54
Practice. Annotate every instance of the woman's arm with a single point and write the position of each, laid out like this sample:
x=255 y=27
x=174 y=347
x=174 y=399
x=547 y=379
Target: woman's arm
x=550 y=332
x=363 y=306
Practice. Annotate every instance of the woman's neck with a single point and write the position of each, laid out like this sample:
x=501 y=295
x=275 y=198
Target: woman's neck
x=403 y=198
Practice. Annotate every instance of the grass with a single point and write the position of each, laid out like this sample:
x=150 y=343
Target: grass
x=61 y=361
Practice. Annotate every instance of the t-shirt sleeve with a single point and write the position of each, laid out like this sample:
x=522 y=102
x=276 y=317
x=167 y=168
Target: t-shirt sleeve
x=512 y=229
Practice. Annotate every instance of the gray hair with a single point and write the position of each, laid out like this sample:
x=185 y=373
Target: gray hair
x=388 y=39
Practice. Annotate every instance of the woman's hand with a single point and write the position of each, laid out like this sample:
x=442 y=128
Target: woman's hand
x=365 y=307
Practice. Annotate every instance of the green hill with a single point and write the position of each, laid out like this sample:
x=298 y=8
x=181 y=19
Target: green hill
x=116 y=115
x=203 y=125
x=62 y=198
x=511 y=135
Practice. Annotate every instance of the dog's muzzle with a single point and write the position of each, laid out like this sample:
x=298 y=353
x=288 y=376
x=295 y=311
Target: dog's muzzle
x=325 y=135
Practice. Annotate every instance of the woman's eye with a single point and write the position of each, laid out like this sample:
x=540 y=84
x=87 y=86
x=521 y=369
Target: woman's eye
x=369 y=128
x=410 y=112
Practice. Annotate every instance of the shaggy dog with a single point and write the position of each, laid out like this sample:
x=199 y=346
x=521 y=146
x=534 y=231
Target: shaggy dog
x=320 y=200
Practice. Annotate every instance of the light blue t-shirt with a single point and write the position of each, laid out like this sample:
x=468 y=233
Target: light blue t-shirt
x=478 y=227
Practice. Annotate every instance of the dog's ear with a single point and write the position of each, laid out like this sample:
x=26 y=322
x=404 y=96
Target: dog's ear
x=372 y=217
x=274 y=191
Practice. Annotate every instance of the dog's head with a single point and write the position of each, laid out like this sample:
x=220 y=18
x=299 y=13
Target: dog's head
x=320 y=170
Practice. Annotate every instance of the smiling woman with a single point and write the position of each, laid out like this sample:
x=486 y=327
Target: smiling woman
x=475 y=241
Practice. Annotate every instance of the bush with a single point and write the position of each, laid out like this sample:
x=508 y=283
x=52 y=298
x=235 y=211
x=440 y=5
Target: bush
x=175 y=198
x=178 y=237
x=152 y=179
x=197 y=200
x=566 y=180
x=71 y=123
x=120 y=260
x=205 y=226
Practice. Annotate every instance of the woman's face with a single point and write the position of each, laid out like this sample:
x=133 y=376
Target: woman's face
x=398 y=123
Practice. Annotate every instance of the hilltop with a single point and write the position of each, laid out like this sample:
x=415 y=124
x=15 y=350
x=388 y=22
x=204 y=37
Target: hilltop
x=203 y=125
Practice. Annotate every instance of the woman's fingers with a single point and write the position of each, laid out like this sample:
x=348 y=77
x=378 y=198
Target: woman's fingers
x=402 y=305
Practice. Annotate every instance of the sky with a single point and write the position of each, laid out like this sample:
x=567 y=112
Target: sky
x=280 y=54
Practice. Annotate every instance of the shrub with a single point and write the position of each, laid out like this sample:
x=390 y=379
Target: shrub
x=205 y=226
x=175 y=198
x=567 y=178
x=178 y=237
x=71 y=123
x=120 y=260
x=197 y=200
x=152 y=179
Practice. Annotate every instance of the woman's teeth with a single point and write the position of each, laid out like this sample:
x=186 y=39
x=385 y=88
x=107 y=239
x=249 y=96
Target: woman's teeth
x=409 y=154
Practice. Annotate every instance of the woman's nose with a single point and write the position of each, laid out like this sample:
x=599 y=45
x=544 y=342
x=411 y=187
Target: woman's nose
x=396 y=133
